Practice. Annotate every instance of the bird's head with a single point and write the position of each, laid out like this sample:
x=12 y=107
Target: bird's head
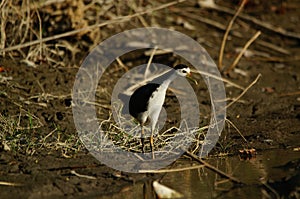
x=182 y=70
x=185 y=71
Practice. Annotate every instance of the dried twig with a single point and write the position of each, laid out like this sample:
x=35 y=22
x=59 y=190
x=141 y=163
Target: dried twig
x=289 y=94
x=245 y=91
x=149 y=63
x=273 y=47
x=40 y=32
x=10 y=183
x=226 y=34
x=122 y=64
x=2 y=3
x=83 y=176
x=219 y=78
x=237 y=59
x=172 y=170
x=277 y=196
x=279 y=59
x=3 y=22
x=158 y=52
x=227 y=120
x=214 y=169
x=134 y=7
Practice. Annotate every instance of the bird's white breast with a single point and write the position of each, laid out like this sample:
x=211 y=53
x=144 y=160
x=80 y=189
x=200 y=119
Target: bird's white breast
x=157 y=99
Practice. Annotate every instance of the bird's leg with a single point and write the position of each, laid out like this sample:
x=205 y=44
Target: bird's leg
x=142 y=138
x=151 y=144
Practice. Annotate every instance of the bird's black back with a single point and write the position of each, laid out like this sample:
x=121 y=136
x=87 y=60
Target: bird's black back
x=139 y=100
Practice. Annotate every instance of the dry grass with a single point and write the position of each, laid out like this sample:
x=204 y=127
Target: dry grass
x=21 y=133
x=129 y=140
x=68 y=27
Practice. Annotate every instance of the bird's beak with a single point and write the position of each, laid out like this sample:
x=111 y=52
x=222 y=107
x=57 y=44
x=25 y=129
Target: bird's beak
x=189 y=77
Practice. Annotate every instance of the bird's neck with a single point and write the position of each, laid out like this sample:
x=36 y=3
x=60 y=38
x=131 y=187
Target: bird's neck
x=166 y=78
x=170 y=79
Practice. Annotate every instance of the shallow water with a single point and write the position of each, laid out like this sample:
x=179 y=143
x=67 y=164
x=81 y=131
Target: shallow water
x=271 y=174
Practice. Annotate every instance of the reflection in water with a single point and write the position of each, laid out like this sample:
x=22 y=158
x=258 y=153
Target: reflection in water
x=271 y=174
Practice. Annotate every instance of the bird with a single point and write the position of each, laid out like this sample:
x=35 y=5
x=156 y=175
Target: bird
x=146 y=101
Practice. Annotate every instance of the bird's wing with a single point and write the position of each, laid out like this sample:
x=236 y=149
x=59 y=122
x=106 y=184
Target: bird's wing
x=138 y=102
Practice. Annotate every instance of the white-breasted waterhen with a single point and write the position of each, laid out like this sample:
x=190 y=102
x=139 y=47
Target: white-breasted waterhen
x=146 y=102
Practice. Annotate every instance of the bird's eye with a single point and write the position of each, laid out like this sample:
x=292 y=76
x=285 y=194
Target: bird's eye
x=184 y=71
